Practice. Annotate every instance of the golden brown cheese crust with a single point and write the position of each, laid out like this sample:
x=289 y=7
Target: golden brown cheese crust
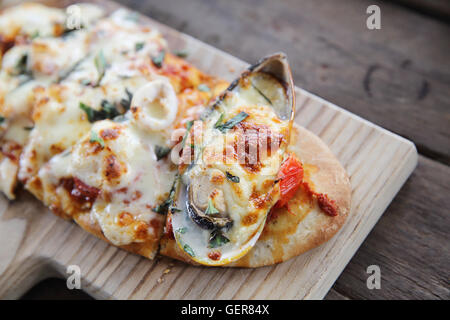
x=306 y=226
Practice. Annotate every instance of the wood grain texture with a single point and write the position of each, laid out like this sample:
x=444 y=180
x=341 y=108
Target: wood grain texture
x=378 y=162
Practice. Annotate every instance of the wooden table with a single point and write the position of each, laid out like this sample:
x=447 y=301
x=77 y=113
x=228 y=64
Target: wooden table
x=397 y=77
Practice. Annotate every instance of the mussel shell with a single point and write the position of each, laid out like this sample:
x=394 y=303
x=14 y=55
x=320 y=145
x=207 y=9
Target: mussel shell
x=277 y=66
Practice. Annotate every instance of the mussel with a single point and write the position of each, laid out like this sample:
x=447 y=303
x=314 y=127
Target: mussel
x=222 y=201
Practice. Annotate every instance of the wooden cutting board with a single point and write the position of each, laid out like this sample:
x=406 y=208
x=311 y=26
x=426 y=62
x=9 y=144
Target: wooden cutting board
x=35 y=244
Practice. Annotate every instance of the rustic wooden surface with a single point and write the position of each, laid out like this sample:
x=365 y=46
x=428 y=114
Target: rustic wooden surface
x=397 y=77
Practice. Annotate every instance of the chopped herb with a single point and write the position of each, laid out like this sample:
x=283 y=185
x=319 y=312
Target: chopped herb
x=126 y=103
x=174 y=210
x=107 y=111
x=2 y=119
x=28 y=128
x=232 y=178
x=211 y=209
x=95 y=138
x=217 y=239
x=100 y=65
x=158 y=60
x=188 y=128
x=89 y=111
x=261 y=93
x=181 y=53
x=181 y=230
x=232 y=122
x=188 y=250
x=219 y=121
x=138 y=46
x=68 y=31
x=34 y=35
x=163 y=208
x=21 y=66
x=161 y=152
x=203 y=87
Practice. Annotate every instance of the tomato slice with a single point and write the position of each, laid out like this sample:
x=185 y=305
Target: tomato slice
x=291 y=176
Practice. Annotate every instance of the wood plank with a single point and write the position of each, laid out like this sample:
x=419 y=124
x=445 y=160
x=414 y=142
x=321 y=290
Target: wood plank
x=409 y=243
x=435 y=8
x=397 y=77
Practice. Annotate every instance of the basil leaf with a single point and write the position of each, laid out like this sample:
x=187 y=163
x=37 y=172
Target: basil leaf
x=211 y=209
x=34 y=35
x=217 y=239
x=188 y=128
x=138 y=46
x=188 y=250
x=203 y=87
x=95 y=138
x=126 y=103
x=2 y=119
x=161 y=152
x=21 y=66
x=219 y=121
x=181 y=53
x=89 y=111
x=181 y=230
x=100 y=65
x=158 y=60
x=107 y=111
x=232 y=122
x=163 y=208
x=232 y=178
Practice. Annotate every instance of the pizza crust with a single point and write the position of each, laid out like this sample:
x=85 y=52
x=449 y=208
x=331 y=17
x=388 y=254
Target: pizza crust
x=292 y=233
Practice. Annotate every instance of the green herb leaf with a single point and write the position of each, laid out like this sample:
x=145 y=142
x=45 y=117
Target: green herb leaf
x=163 y=208
x=181 y=53
x=181 y=230
x=158 y=60
x=21 y=66
x=34 y=35
x=161 y=152
x=107 y=111
x=95 y=138
x=262 y=94
x=138 y=46
x=100 y=65
x=28 y=128
x=217 y=239
x=188 y=128
x=232 y=122
x=2 y=119
x=232 y=178
x=203 y=87
x=188 y=250
x=89 y=111
x=219 y=121
x=211 y=209
x=126 y=102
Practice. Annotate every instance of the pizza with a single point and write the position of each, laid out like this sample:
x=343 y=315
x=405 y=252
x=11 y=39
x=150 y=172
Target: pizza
x=108 y=128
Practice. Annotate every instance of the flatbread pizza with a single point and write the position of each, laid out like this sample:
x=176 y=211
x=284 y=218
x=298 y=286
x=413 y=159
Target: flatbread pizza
x=141 y=149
